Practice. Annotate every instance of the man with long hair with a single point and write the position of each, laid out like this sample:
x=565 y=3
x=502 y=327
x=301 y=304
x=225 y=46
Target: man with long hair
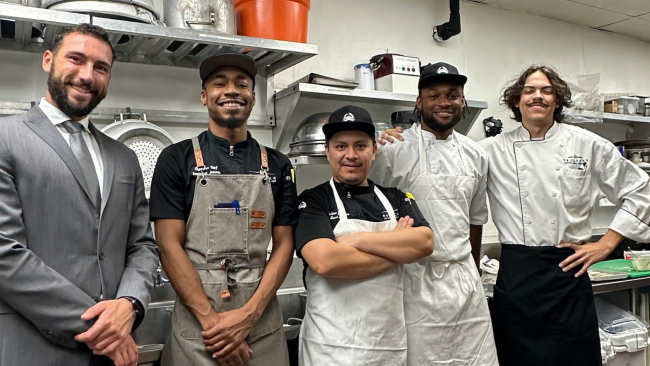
x=544 y=180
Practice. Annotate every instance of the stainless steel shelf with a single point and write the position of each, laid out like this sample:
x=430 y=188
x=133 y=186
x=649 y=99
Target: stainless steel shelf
x=618 y=285
x=359 y=95
x=148 y=44
x=297 y=102
x=154 y=116
x=624 y=118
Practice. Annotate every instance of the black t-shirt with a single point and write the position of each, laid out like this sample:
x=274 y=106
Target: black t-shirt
x=174 y=179
x=318 y=214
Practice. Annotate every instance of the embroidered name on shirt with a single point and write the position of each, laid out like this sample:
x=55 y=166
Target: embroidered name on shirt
x=385 y=216
x=576 y=162
x=206 y=170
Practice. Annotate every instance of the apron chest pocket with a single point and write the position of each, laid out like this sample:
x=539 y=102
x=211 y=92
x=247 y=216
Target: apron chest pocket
x=451 y=188
x=228 y=231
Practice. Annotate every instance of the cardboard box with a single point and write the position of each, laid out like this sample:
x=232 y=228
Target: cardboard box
x=611 y=106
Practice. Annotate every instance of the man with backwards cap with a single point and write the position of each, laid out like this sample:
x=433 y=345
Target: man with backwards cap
x=217 y=200
x=354 y=237
x=447 y=318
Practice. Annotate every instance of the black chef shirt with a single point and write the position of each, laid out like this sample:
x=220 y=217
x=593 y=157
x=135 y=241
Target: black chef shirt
x=174 y=179
x=318 y=214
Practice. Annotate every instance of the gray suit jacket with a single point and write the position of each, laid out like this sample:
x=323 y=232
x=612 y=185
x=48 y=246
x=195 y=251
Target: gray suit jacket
x=56 y=256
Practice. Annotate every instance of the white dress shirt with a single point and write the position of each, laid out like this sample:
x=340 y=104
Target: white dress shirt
x=57 y=118
x=543 y=191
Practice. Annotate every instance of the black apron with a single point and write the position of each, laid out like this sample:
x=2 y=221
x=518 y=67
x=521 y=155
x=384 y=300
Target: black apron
x=540 y=314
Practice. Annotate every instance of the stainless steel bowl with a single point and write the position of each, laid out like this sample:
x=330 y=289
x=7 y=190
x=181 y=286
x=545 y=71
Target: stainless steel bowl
x=145 y=138
x=309 y=138
x=311 y=128
x=307 y=148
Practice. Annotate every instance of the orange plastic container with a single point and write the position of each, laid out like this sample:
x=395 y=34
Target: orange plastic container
x=284 y=20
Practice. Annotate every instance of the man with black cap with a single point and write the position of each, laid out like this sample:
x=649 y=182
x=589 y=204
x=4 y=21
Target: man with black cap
x=353 y=237
x=217 y=200
x=447 y=318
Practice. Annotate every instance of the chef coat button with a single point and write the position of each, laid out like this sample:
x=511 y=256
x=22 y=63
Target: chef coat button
x=522 y=168
x=558 y=168
x=553 y=222
x=561 y=145
x=529 y=222
x=554 y=194
x=525 y=194
x=101 y=255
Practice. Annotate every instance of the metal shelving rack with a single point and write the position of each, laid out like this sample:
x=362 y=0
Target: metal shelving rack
x=296 y=102
x=624 y=118
x=157 y=45
x=148 y=44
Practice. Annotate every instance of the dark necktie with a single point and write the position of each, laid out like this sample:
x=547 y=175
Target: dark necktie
x=81 y=152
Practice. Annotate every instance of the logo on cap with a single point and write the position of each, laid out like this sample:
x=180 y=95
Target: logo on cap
x=443 y=70
x=349 y=117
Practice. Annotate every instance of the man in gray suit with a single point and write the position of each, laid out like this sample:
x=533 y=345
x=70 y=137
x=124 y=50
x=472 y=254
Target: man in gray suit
x=77 y=257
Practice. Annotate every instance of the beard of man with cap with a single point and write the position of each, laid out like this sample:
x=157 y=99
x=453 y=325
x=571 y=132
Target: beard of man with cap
x=441 y=103
x=229 y=94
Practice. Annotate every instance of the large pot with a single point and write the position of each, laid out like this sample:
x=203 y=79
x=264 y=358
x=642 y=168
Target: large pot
x=146 y=139
x=142 y=11
x=8 y=27
x=216 y=15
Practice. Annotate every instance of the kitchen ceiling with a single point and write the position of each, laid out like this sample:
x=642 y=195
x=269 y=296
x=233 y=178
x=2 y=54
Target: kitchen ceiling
x=629 y=17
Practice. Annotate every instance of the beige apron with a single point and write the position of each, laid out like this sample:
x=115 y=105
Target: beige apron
x=447 y=318
x=355 y=322
x=227 y=246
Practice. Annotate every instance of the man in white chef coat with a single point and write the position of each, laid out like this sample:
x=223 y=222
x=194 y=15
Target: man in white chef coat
x=544 y=180
x=447 y=317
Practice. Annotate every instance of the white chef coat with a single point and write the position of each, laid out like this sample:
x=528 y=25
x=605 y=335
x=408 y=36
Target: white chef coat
x=447 y=318
x=397 y=165
x=543 y=191
x=57 y=118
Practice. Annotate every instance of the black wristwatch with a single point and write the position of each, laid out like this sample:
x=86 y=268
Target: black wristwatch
x=138 y=309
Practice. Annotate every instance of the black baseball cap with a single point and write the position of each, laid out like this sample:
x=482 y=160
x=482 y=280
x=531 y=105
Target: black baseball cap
x=349 y=118
x=226 y=56
x=440 y=72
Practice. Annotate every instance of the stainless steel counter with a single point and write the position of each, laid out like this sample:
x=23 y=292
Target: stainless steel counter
x=149 y=354
x=632 y=284
x=619 y=285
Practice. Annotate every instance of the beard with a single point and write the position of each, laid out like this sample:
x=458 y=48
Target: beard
x=56 y=87
x=430 y=120
x=230 y=122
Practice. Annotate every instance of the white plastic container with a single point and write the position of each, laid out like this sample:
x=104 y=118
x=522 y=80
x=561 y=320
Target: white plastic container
x=640 y=260
x=364 y=76
x=630 y=104
x=627 y=333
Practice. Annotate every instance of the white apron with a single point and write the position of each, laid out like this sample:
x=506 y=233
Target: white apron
x=355 y=322
x=447 y=317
